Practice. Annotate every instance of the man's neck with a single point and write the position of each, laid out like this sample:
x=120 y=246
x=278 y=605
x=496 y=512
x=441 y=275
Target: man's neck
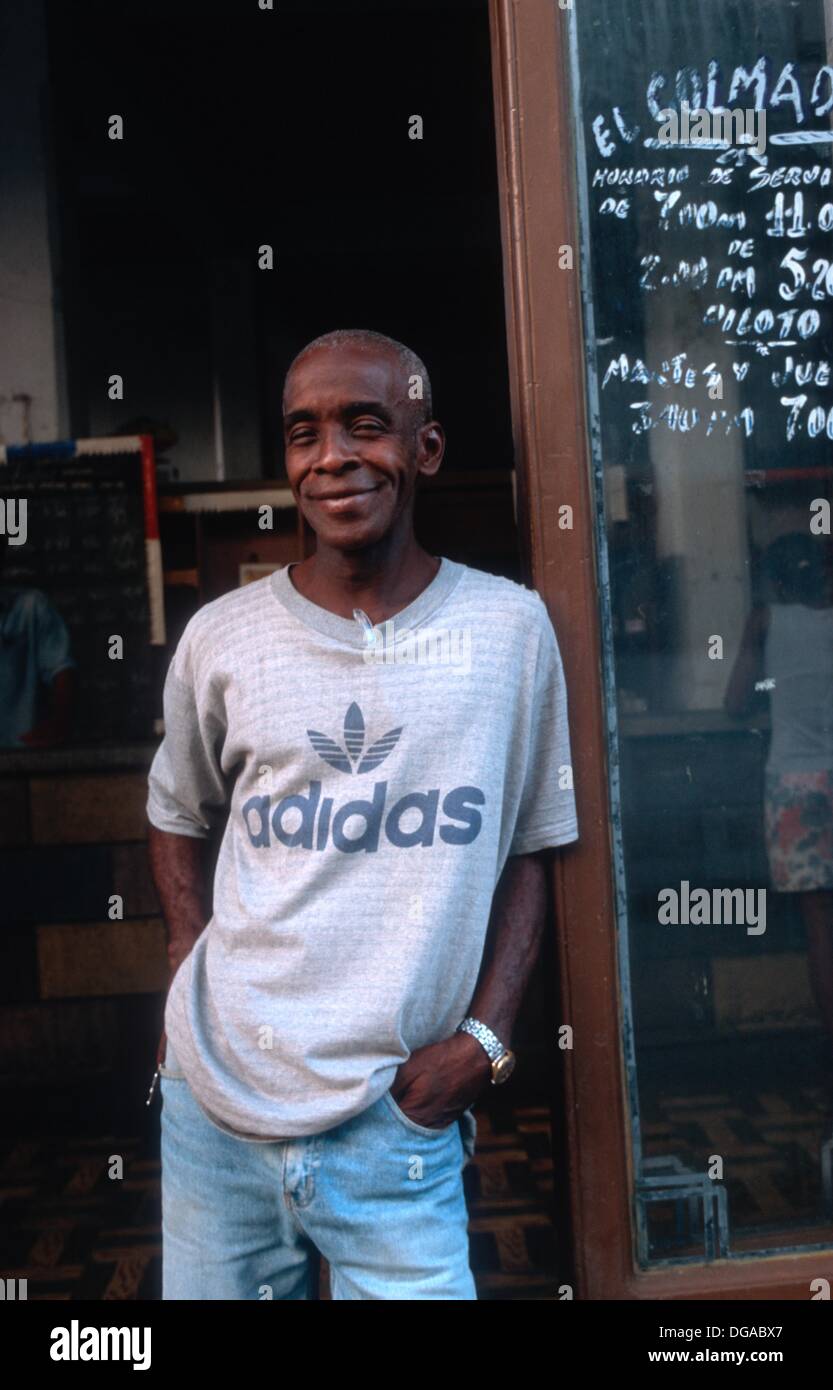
x=381 y=581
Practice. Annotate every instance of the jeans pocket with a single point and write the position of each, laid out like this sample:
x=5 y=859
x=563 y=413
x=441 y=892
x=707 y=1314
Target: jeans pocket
x=412 y=1124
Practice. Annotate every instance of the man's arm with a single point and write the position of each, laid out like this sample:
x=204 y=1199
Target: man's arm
x=516 y=930
x=179 y=867
x=438 y=1082
x=187 y=794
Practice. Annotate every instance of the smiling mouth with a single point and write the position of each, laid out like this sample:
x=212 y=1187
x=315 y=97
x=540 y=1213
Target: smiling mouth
x=333 y=499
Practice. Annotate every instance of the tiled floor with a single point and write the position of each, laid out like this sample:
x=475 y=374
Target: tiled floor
x=73 y=1232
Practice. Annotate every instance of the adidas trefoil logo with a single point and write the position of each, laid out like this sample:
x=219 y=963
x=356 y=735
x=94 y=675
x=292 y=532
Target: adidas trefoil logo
x=345 y=759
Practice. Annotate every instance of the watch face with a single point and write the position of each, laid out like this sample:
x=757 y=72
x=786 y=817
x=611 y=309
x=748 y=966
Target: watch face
x=503 y=1068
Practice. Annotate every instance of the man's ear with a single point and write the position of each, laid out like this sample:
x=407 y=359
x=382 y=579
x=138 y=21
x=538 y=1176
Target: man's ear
x=430 y=448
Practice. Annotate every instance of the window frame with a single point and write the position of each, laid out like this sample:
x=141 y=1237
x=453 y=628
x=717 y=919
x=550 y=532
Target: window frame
x=545 y=344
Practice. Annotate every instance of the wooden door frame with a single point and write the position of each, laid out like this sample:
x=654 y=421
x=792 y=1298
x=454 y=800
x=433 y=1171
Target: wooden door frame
x=538 y=210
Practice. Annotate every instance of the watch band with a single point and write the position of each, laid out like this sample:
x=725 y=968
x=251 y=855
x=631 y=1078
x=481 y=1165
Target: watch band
x=488 y=1040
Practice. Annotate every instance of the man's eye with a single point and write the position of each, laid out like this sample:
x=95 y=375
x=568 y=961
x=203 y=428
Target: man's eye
x=368 y=425
x=301 y=438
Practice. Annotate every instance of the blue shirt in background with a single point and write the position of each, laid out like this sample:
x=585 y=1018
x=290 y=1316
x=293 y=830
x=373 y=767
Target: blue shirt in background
x=34 y=647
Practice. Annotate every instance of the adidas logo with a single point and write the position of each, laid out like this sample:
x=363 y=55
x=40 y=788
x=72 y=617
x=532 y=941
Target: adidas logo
x=306 y=821
x=344 y=759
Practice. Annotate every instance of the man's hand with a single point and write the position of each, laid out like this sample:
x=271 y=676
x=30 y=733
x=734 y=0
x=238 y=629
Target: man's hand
x=440 y=1081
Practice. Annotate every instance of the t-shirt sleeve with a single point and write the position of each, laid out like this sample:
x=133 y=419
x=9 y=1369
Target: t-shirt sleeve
x=547 y=811
x=186 y=787
x=53 y=650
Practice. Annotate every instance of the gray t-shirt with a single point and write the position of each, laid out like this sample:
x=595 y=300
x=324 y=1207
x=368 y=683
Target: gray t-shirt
x=373 y=793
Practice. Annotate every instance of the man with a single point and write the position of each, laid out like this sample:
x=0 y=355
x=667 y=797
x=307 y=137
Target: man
x=379 y=895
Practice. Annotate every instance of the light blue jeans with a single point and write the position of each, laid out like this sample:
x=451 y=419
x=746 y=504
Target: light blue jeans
x=380 y=1196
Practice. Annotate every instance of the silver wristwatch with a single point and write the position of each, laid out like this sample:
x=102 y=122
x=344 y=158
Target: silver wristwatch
x=503 y=1061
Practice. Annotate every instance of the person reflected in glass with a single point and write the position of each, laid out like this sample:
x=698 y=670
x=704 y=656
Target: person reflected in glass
x=787 y=648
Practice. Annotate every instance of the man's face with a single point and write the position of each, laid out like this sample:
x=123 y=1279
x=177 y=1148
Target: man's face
x=352 y=451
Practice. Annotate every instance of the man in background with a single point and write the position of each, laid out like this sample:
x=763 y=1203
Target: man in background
x=37 y=669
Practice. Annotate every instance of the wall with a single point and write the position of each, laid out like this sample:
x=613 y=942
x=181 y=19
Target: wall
x=29 y=343
x=79 y=993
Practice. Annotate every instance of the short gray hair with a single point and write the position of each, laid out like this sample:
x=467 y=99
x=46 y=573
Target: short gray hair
x=411 y=364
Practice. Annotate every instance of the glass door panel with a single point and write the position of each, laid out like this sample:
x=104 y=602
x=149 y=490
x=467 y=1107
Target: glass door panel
x=705 y=179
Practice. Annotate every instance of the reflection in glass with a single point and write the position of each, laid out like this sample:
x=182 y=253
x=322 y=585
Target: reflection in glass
x=709 y=328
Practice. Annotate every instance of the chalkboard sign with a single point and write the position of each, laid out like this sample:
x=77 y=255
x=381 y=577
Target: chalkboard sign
x=90 y=545
x=705 y=144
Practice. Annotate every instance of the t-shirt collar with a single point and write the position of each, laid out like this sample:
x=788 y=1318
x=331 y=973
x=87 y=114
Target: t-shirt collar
x=349 y=630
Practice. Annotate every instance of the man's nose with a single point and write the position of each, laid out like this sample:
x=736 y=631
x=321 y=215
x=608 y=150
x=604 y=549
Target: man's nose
x=338 y=450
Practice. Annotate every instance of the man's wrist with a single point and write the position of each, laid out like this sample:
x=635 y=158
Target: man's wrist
x=500 y=1056
x=480 y=1060
x=493 y=1040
